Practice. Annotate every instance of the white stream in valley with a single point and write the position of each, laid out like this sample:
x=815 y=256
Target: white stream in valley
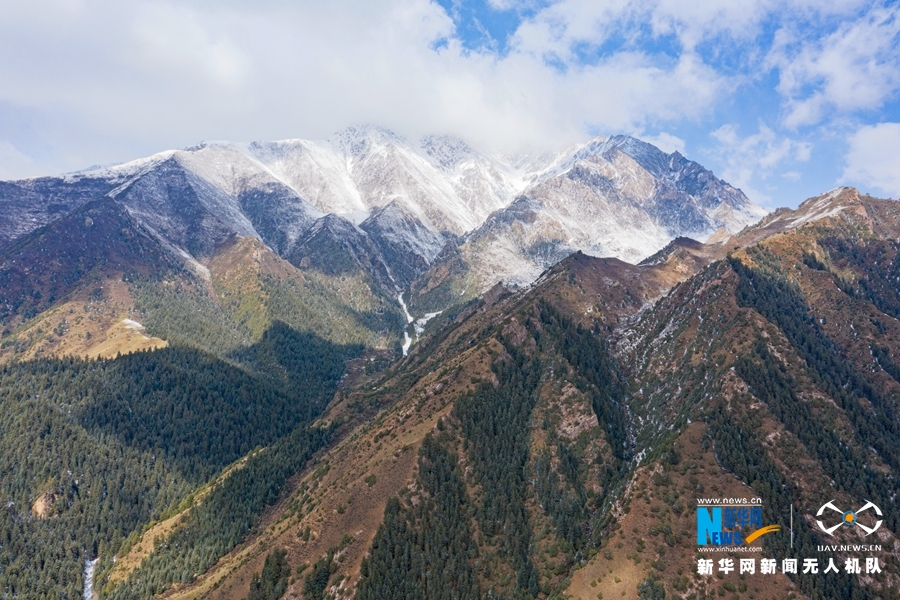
x=407 y=341
x=89 y=567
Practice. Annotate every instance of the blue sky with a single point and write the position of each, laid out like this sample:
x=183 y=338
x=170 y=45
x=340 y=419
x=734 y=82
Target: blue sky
x=783 y=99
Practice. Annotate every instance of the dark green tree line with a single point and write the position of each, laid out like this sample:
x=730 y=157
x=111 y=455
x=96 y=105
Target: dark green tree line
x=423 y=552
x=739 y=451
x=110 y=445
x=781 y=302
x=273 y=581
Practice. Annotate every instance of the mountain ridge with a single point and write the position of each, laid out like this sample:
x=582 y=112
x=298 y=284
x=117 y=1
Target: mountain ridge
x=538 y=421
x=692 y=340
x=393 y=211
x=233 y=168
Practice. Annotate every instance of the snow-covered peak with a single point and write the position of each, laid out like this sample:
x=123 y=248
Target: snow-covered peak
x=314 y=170
x=828 y=204
x=357 y=140
x=120 y=171
x=446 y=152
x=649 y=156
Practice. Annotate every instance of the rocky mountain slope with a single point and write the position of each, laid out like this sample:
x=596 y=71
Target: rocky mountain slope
x=612 y=197
x=555 y=440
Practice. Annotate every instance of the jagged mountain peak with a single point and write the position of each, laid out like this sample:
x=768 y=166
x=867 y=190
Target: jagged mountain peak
x=207 y=144
x=602 y=146
x=837 y=198
x=356 y=140
x=612 y=196
x=119 y=172
x=335 y=224
x=447 y=151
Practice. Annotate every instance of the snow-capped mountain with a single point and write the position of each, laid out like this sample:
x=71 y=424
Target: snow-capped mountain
x=442 y=182
x=610 y=197
x=396 y=207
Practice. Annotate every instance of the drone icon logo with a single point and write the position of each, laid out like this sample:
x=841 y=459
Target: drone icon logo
x=848 y=518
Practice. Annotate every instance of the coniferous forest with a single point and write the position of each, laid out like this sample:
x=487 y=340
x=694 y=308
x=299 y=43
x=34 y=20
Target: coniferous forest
x=426 y=549
x=91 y=450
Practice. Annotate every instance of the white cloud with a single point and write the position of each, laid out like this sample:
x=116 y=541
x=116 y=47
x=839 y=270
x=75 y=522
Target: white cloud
x=703 y=19
x=15 y=164
x=173 y=73
x=874 y=160
x=514 y=4
x=665 y=141
x=105 y=81
x=569 y=23
x=748 y=161
x=856 y=67
x=173 y=39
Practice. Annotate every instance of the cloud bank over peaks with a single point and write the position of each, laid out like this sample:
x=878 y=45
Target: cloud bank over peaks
x=98 y=81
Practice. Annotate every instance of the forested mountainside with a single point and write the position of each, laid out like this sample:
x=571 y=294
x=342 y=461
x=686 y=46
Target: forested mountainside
x=555 y=441
x=91 y=451
x=538 y=443
x=97 y=285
